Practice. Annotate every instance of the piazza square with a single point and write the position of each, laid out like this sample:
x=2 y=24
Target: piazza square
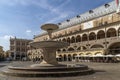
x=83 y=47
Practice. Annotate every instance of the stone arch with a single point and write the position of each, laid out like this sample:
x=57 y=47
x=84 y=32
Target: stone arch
x=97 y=46
x=78 y=38
x=69 y=57
x=81 y=54
x=58 y=50
x=79 y=48
x=98 y=53
x=119 y=31
x=29 y=53
x=64 y=40
x=88 y=53
x=84 y=37
x=71 y=49
x=92 y=36
x=114 y=48
x=111 y=32
x=100 y=34
x=59 y=40
x=64 y=50
x=42 y=57
x=83 y=48
x=74 y=55
x=65 y=57
x=60 y=57
x=72 y=39
x=68 y=40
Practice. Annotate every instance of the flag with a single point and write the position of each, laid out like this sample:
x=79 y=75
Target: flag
x=117 y=2
x=118 y=6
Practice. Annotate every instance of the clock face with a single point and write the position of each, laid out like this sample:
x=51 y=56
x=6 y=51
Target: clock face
x=88 y=25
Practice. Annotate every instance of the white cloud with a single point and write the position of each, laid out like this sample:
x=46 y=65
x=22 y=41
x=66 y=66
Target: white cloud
x=4 y=41
x=8 y=36
x=57 y=18
x=44 y=4
x=28 y=31
x=54 y=10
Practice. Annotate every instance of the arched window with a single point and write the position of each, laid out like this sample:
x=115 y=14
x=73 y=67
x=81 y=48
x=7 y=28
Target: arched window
x=97 y=46
x=111 y=32
x=84 y=37
x=64 y=40
x=65 y=58
x=78 y=38
x=119 y=32
x=74 y=55
x=64 y=50
x=70 y=49
x=92 y=36
x=79 y=48
x=100 y=34
x=69 y=57
x=73 y=39
x=68 y=40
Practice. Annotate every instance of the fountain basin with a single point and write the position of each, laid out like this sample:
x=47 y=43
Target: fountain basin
x=61 y=71
x=49 y=44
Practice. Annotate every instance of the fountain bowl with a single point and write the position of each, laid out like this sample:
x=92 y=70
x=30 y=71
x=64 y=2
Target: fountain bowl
x=49 y=44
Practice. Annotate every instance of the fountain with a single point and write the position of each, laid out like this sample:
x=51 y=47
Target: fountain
x=49 y=67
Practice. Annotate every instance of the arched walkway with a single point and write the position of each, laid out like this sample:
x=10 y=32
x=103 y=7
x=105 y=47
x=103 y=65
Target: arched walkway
x=114 y=48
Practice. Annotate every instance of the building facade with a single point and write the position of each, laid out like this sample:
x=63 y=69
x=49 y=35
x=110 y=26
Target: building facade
x=1 y=53
x=96 y=32
x=18 y=48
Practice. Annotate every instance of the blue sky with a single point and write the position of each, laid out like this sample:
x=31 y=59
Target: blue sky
x=22 y=18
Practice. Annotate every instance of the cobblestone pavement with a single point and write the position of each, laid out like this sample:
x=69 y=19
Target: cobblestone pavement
x=103 y=71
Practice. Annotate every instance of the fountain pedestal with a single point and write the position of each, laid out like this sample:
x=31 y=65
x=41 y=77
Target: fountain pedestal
x=49 y=55
x=49 y=52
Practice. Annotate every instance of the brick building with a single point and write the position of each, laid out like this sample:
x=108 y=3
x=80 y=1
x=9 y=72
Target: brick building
x=18 y=48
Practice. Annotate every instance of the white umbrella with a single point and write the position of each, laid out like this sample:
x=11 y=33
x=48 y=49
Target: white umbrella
x=58 y=57
x=110 y=55
x=118 y=55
